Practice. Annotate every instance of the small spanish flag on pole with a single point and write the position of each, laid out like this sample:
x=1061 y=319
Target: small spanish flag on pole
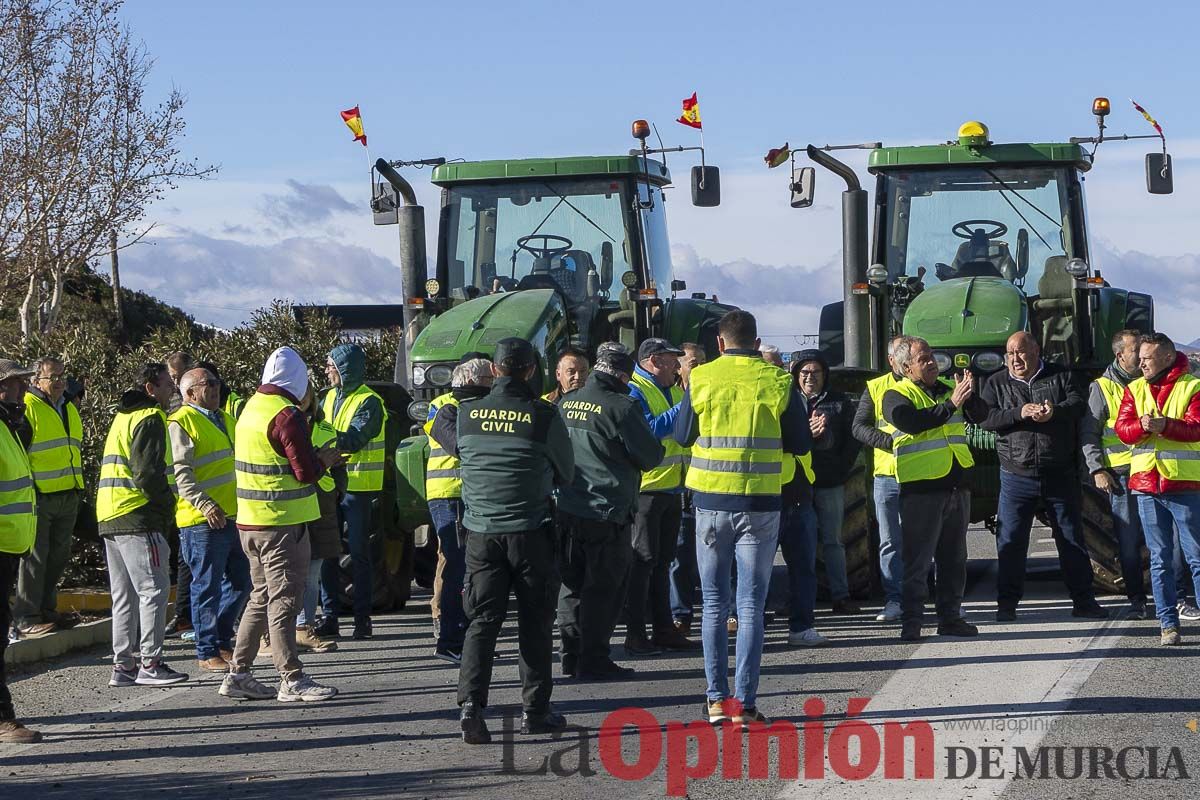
x=1149 y=118
x=777 y=156
x=353 y=120
x=691 y=113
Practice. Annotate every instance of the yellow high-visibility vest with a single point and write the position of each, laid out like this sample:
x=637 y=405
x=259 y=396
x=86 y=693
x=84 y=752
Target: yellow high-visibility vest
x=364 y=469
x=884 y=460
x=322 y=434
x=54 y=449
x=18 y=502
x=668 y=474
x=738 y=401
x=1116 y=453
x=212 y=463
x=929 y=455
x=443 y=473
x=1175 y=461
x=267 y=490
x=789 y=468
x=117 y=494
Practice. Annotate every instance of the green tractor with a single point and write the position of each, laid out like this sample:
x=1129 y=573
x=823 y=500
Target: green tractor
x=563 y=252
x=972 y=242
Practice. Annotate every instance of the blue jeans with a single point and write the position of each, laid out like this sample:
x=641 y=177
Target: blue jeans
x=749 y=539
x=887 y=512
x=1019 y=498
x=1162 y=515
x=798 y=541
x=355 y=513
x=1130 y=538
x=683 y=570
x=220 y=584
x=312 y=593
x=830 y=505
x=452 y=624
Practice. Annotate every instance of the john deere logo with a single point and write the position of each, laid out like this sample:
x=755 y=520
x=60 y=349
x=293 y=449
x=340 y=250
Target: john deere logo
x=962 y=361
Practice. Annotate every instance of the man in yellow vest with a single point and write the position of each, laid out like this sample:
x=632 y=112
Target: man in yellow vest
x=1107 y=459
x=359 y=416
x=202 y=447
x=18 y=527
x=1160 y=418
x=135 y=505
x=932 y=459
x=54 y=432
x=470 y=380
x=277 y=472
x=875 y=432
x=742 y=417
x=659 y=507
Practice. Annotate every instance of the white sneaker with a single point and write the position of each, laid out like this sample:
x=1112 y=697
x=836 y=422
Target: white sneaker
x=306 y=690
x=244 y=686
x=807 y=638
x=891 y=612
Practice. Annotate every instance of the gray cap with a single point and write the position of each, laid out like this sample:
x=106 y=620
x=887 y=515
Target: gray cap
x=652 y=347
x=11 y=369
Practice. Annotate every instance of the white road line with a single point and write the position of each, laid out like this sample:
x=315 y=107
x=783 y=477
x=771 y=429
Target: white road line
x=986 y=679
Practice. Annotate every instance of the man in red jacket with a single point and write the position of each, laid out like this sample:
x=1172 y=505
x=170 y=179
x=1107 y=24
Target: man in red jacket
x=1160 y=418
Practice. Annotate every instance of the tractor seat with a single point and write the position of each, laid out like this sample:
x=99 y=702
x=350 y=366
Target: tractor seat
x=967 y=261
x=1054 y=311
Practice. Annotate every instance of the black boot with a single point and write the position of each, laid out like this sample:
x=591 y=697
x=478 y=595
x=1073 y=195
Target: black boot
x=474 y=729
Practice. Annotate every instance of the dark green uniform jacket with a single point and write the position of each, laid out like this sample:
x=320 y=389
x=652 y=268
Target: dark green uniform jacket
x=514 y=450
x=613 y=446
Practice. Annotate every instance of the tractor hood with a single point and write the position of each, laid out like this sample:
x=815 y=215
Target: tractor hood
x=478 y=324
x=967 y=312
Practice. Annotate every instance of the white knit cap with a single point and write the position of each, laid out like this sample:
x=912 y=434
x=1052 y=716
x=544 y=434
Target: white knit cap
x=287 y=370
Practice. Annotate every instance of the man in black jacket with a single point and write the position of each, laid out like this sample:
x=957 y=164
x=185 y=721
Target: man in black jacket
x=831 y=415
x=1035 y=409
x=613 y=445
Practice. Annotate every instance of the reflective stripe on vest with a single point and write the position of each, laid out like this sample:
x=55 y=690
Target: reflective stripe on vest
x=738 y=401
x=885 y=460
x=212 y=463
x=323 y=433
x=54 y=450
x=117 y=494
x=1175 y=461
x=267 y=490
x=443 y=476
x=929 y=455
x=668 y=474
x=364 y=469
x=18 y=504
x=1116 y=453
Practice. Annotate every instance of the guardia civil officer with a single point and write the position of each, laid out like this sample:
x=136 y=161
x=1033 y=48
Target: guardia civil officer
x=513 y=450
x=613 y=445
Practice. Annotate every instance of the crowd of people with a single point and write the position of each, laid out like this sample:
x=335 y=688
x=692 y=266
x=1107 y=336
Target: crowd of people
x=644 y=486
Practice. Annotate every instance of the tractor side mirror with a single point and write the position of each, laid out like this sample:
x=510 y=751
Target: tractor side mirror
x=1022 y=253
x=1159 y=177
x=384 y=202
x=606 y=266
x=706 y=186
x=803 y=184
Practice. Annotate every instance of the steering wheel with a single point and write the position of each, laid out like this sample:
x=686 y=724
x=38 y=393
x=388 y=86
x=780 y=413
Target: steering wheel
x=963 y=229
x=545 y=251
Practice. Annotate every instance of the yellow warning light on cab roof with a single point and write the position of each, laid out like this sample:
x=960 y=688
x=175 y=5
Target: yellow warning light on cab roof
x=973 y=133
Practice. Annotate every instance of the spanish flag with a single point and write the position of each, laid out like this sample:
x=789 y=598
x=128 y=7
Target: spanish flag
x=691 y=113
x=353 y=121
x=777 y=156
x=1149 y=118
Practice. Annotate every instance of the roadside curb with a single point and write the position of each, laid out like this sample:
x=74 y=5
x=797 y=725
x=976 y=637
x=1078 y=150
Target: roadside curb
x=41 y=648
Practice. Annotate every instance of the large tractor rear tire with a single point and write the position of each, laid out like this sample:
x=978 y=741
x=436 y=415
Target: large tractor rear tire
x=392 y=563
x=1101 y=539
x=858 y=538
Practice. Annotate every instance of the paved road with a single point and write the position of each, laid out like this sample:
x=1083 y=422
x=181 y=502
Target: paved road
x=1048 y=681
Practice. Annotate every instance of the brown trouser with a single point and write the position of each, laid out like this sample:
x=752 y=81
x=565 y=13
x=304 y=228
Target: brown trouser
x=279 y=559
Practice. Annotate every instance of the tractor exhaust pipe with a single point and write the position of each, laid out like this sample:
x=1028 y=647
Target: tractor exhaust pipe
x=413 y=268
x=856 y=325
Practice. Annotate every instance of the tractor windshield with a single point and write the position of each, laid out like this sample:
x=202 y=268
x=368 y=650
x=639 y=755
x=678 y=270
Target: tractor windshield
x=536 y=234
x=1006 y=222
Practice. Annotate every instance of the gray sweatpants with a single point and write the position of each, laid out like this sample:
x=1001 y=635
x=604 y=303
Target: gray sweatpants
x=140 y=583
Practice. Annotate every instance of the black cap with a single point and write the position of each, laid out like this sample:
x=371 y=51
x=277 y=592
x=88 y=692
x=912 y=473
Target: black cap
x=514 y=353
x=801 y=357
x=616 y=357
x=472 y=355
x=652 y=347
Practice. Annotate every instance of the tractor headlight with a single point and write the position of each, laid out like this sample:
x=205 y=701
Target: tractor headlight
x=988 y=361
x=439 y=374
x=418 y=411
x=418 y=376
x=944 y=361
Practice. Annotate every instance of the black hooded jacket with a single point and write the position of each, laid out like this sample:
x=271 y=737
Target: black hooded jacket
x=834 y=452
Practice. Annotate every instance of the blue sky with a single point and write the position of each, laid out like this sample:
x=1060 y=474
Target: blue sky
x=265 y=82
